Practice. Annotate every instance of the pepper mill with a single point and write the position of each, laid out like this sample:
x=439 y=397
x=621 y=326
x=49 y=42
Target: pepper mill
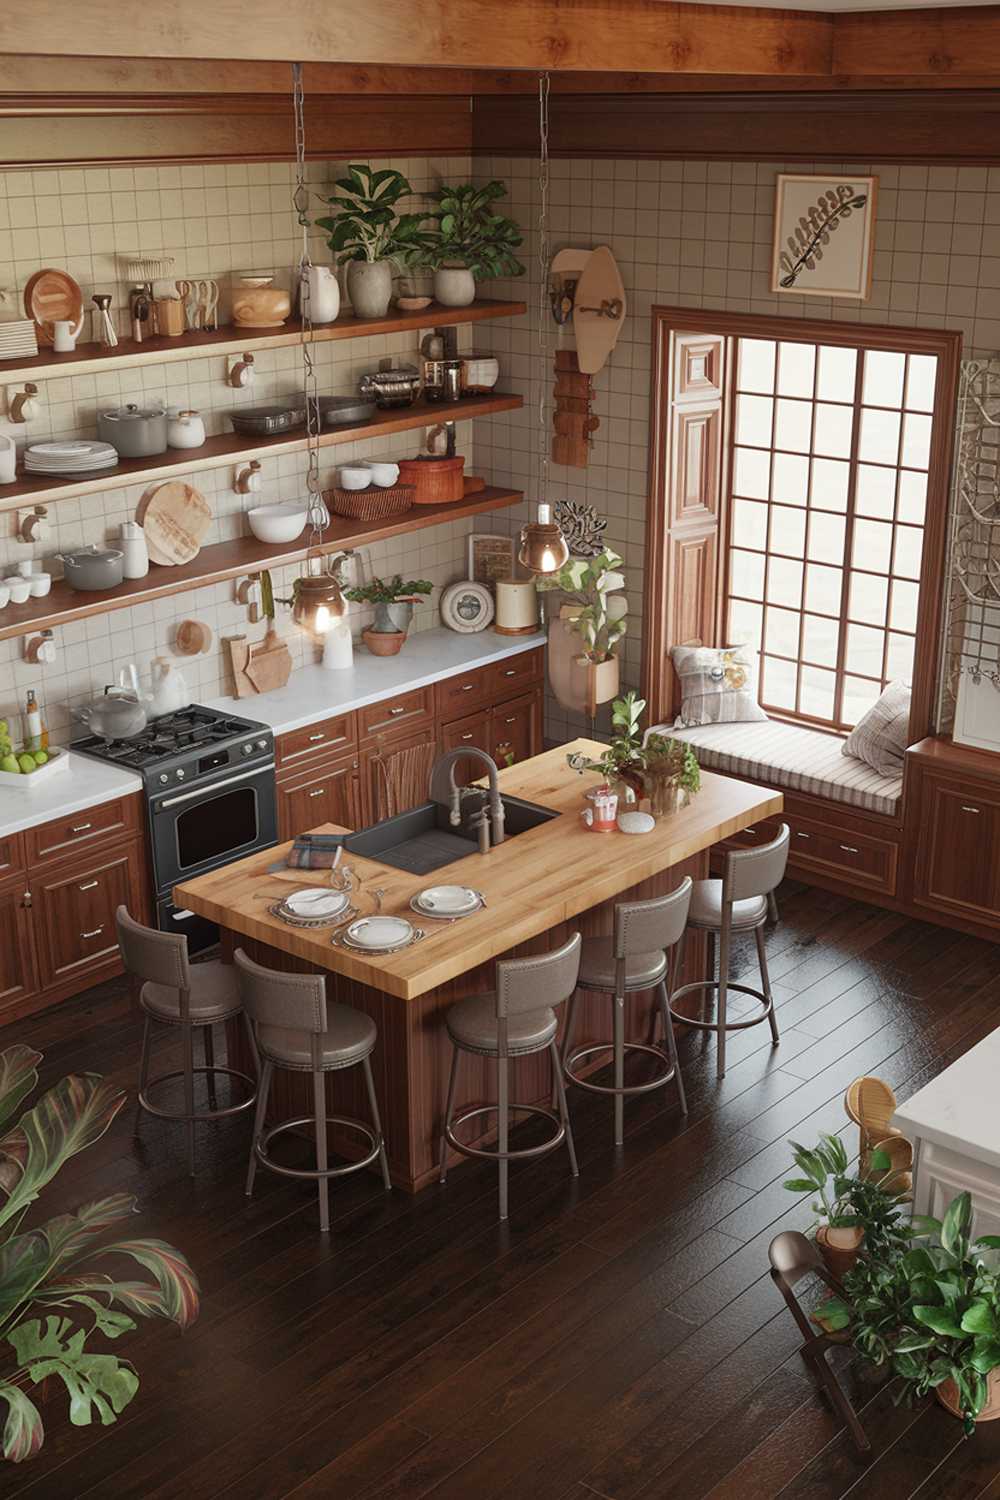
x=105 y=326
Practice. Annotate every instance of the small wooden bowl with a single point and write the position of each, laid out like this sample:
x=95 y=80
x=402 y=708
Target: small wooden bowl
x=384 y=642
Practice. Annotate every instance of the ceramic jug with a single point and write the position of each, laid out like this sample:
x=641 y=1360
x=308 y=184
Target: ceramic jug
x=65 y=335
x=324 y=293
x=135 y=554
x=168 y=690
x=8 y=459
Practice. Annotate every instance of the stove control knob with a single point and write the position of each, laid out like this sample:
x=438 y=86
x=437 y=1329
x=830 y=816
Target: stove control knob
x=262 y=744
x=164 y=777
x=248 y=748
x=180 y=775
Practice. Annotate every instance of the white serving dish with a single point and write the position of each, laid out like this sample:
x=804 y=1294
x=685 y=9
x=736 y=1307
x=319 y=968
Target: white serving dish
x=278 y=523
x=355 y=476
x=379 y=932
x=448 y=900
x=315 y=902
x=384 y=475
x=39 y=584
x=57 y=763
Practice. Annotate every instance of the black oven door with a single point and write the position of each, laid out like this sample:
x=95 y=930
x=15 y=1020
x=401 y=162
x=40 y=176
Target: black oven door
x=211 y=825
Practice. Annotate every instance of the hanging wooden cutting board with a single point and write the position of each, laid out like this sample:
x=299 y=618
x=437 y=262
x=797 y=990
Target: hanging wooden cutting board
x=600 y=285
x=52 y=296
x=258 y=669
x=175 y=518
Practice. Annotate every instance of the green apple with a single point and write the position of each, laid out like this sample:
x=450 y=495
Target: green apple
x=40 y=758
x=27 y=763
x=9 y=763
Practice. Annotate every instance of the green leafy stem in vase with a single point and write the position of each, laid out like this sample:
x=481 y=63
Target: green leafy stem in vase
x=389 y=591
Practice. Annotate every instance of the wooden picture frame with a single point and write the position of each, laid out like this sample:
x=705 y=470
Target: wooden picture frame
x=824 y=235
x=491 y=557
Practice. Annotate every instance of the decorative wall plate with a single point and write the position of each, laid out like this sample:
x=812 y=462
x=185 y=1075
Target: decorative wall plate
x=467 y=607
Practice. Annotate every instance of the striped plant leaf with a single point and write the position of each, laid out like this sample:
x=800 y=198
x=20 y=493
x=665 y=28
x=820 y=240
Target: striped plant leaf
x=71 y=1116
x=177 y=1293
x=71 y=1235
x=23 y=1433
x=18 y=1076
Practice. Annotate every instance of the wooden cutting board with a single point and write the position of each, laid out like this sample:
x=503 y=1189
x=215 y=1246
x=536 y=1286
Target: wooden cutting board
x=49 y=297
x=258 y=669
x=175 y=518
x=596 y=332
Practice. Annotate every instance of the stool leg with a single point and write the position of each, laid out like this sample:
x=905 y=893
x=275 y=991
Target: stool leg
x=723 y=997
x=668 y=1030
x=567 y=1038
x=449 y=1110
x=213 y=1102
x=187 y=1040
x=503 y=1136
x=619 y=1052
x=147 y=1031
x=377 y=1121
x=765 y=984
x=260 y=1114
x=560 y=1088
x=772 y=907
x=253 y=1046
x=319 y=1113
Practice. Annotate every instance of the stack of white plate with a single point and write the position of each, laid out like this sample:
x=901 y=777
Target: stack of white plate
x=69 y=458
x=315 y=906
x=447 y=902
x=379 y=934
x=18 y=339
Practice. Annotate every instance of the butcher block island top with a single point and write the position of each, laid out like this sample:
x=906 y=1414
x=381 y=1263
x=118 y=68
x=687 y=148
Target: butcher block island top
x=531 y=882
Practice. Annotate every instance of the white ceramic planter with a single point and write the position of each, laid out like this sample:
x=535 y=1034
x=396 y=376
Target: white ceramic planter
x=454 y=286
x=324 y=294
x=369 y=286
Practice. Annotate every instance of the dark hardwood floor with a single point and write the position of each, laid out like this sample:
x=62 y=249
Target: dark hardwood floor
x=618 y=1338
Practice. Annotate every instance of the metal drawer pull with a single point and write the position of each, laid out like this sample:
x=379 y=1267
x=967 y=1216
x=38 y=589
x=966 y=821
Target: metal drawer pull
x=749 y=830
x=394 y=712
x=511 y=720
x=90 y=886
x=850 y=849
x=803 y=835
x=318 y=792
x=314 y=737
x=95 y=933
x=511 y=672
x=971 y=809
x=467 y=736
x=467 y=687
x=80 y=827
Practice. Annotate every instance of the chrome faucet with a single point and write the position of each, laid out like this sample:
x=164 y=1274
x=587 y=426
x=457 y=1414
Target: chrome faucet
x=448 y=763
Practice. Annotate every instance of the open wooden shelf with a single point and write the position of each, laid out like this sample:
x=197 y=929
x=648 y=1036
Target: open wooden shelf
x=215 y=564
x=232 y=448
x=88 y=359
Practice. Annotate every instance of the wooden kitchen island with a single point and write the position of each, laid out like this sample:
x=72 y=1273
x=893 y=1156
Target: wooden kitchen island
x=540 y=887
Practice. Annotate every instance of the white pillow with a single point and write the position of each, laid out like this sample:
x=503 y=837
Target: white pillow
x=880 y=738
x=718 y=685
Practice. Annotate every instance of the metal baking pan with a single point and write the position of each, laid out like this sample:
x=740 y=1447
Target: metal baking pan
x=264 y=421
x=342 y=411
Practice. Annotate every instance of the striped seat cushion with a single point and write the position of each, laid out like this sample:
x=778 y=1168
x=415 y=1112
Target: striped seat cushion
x=800 y=760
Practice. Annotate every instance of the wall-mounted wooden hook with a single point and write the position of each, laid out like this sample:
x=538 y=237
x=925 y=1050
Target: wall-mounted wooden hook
x=40 y=649
x=22 y=406
x=33 y=525
x=248 y=478
x=248 y=592
x=242 y=371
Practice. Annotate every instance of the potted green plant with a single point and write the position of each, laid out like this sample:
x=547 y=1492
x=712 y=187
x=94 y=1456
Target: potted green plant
x=56 y=1295
x=623 y=762
x=672 y=774
x=367 y=233
x=393 y=601
x=852 y=1208
x=594 y=610
x=468 y=241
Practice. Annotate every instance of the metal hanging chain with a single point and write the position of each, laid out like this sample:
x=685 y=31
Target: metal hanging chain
x=544 y=313
x=318 y=515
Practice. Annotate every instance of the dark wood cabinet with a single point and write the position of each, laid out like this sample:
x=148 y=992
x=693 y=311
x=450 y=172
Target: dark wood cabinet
x=329 y=792
x=959 y=846
x=18 y=969
x=74 y=907
x=473 y=730
x=376 y=769
x=516 y=729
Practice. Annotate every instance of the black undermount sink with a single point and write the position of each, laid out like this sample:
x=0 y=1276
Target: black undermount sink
x=423 y=839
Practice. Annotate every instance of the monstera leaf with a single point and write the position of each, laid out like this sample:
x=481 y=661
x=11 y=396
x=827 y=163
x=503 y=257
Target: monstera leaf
x=100 y=1383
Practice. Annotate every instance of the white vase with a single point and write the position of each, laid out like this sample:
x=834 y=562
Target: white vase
x=324 y=294
x=454 y=286
x=369 y=285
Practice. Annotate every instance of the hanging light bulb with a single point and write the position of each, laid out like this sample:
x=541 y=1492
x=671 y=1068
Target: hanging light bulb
x=543 y=547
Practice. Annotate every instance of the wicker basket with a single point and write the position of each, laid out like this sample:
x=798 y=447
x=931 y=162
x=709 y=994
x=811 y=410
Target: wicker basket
x=434 y=480
x=372 y=504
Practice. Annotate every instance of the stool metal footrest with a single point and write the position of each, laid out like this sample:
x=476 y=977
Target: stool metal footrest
x=313 y=1173
x=522 y=1152
x=204 y=1114
x=658 y=1082
x=767 y=1006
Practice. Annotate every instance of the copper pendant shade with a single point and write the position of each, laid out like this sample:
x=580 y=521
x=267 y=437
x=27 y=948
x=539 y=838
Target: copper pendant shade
x=543 y=548
x=318 y=603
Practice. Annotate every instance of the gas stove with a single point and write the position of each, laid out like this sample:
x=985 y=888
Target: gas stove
x=190 y=746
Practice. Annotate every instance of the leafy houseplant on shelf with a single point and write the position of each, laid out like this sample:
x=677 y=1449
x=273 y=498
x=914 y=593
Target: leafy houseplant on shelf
x=367 y=234
x=672 y=774
x=468 y=241
x=594 y=609
x=55 y=1296
x=393 y=601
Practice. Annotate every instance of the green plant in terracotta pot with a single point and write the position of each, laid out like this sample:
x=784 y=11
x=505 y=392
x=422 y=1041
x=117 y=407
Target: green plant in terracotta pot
x=468 y=241
x=393 y=602
x=368 y=235
x=672 y=774
x=852 y=1208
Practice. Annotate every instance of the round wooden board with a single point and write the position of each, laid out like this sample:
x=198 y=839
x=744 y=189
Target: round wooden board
x=175 y=517
x=596 y=336
x=49 y=297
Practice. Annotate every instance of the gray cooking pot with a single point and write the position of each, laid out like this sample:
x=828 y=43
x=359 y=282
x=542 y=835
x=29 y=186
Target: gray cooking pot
x=116 y=716
x=93 y=567
x=396 y=387
x=135 y=431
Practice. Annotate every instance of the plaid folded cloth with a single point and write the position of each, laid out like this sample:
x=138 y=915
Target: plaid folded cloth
x=314 y=851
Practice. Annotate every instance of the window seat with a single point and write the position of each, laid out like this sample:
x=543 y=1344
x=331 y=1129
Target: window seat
x=794 y=758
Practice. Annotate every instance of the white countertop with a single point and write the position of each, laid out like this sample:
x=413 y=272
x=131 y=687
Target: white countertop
x=85 y=783
x=958 y=1108
x=313 y=693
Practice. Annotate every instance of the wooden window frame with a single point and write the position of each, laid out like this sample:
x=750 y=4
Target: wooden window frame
x=667 y=324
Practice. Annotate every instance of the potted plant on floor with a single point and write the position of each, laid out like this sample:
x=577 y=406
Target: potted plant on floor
x=594 y=610
x=853 y=1209
x=468 y=242
x=393 y=601
x=672 y=774
x=56 y=1296
x=367 y=234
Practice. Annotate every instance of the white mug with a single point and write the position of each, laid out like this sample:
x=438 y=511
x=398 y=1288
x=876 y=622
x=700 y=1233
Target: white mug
x=65 y=335
x=8 y=459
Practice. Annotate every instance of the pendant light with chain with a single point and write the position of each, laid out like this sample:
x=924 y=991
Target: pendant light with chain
x=318 y=600
x=543 y=547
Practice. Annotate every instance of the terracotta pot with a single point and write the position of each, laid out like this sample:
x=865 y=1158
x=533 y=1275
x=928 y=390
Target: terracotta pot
x=839 y=1248
x=947 y=1394
x=384 y=642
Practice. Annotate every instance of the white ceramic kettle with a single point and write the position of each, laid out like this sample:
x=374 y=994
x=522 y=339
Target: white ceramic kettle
x=168 y=690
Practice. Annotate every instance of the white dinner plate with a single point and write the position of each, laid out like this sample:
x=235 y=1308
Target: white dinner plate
x=379 y=932
x=315 y=901
x=448 y=900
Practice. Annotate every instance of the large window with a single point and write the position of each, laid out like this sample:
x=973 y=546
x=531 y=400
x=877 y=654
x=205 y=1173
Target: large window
x=830 y=452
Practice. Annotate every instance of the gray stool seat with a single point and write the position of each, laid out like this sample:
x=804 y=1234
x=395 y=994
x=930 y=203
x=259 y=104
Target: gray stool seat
x=214 y=996
x=707 y=908
x=349 y=1037
x=472 y=1025
x=598 y=967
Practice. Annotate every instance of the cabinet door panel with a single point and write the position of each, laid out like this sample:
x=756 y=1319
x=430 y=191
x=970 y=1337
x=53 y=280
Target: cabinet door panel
x=514 y=730
x=329 y=794
x=74 y=909
x=105 y=823
x=375 y=760
x=474 y=729
x=959 y=847
x=314 y=742
x=18 y=971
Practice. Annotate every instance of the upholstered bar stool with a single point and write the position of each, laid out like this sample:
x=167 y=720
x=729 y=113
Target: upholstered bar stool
x=194 y=997
x=297 y=1028
x=518 y=1019
x=635 y=958
x=739 y=902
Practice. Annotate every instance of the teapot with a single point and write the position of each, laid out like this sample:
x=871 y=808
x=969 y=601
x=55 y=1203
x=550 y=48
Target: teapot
x=168 y=690
x=185 y=429
x=120 y=714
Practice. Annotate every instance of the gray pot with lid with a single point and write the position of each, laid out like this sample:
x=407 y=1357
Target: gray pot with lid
x=136 y=431
x=93 y=567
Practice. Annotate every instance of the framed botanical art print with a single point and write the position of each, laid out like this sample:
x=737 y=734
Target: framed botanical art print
x=824 y=235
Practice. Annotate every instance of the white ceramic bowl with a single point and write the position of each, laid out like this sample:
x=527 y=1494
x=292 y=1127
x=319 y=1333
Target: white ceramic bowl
x=384 y=475
x=355 y=476
x=40 y=584
x=278 y=523
x=4 y=595
x=19 y=587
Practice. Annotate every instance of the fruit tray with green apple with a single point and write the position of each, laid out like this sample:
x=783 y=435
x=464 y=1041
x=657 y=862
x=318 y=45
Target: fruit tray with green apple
x=22 y=770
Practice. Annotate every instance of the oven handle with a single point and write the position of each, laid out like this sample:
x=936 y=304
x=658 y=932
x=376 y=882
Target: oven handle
x=216 y=786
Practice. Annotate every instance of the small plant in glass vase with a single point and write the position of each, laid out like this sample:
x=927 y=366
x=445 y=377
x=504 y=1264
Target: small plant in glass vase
x=672 y=774
x=593 y=609
x=468 y=242
x=623 y=763
x=366 y=233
